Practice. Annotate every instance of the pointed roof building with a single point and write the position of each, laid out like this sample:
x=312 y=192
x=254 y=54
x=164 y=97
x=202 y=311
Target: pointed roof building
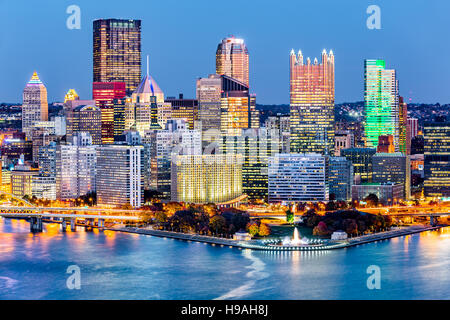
x=147 y=88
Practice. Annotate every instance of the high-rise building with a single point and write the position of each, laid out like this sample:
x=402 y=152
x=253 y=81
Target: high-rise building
x=388 y=193
x=209 y=178
x=209 y=92
x=392 y=168
x=437 y=159
x=104 y=94
x=186 y=109
x=174 y=140
x=340 y=177
x=22 y=180
x=413 y=127
x=71 y=95
x=35 y=105
x=255 y=146
x=298 y=177
x=312 y=104
x=85 y=118
x=280 y=125
x=76 y=167
x=343 y=140
x=404 y=138
x=232 y=59
x=47 y=160
x=119 y=180
x=117 y=52
x=361 y=159
x=237 y=107
x=44 y=187
x=381 y=103
x=43 y=132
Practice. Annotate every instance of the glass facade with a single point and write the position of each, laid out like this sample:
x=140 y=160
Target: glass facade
x=312 y=104
x=117 y=52
x=232 y=59
x=381 y=103
x=437 y=159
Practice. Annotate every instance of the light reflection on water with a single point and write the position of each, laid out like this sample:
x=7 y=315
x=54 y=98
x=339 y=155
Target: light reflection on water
x=129 y=266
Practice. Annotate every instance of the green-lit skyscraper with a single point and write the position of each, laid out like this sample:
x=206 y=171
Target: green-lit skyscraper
x=381 y=103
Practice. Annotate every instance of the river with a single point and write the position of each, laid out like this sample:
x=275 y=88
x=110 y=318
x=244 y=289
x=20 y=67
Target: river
x=116 y=265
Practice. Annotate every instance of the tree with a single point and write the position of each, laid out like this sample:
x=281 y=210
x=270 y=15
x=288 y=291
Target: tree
x=321 y=229
x=372 y=200
x=264 y=230
x=253 y=228
x=161 y=217
x=289 y=216
x=217 y=224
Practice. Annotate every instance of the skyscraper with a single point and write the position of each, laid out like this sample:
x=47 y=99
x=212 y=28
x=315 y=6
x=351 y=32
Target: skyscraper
x=232 y=59
x=35 y=106
x=119 y=180
x=437 y=159
x=404 y=138
x=209 y=91
x=117 y=52
x=312 y=104
x=237 y=108
x=381 y=103
x=104 y=94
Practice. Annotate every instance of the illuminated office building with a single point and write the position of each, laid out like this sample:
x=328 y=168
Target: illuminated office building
x=298 y=177
x=13 y=147
x=404 y=138
x=381 y=103
x=44 y=187
x=85 y=118
x=340 y=177
x=361 y=159
x=312 y=104
x=71 y=95
x=174 y=140
x=35 y=106
x=206 y=178
x=237 y=107
x=209 y=92
x=255 y=146
x=343 y=140
x=119 y=180
x=43 y=132
x=392 y=168
x=232 y=59
x=186 y=109
x=280 y=126
x=22 y=180
x=117 y=52
x=413 y=127
x=104 y=94
x=76 y=167
x=120 y=116
x=47 y=160
x=437 y=159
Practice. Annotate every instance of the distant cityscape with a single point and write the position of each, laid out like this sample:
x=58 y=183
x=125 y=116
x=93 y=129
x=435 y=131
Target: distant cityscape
x=130 y=146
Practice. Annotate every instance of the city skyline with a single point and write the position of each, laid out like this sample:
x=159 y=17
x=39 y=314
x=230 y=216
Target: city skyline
x=165 y=53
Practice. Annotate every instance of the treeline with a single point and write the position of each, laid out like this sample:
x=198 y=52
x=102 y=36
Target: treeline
x=202 y=219
x=351 y=221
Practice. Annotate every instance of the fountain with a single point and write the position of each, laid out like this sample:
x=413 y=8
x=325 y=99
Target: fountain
x=296 y=240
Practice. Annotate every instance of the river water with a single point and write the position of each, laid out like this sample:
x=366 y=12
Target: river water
x=117 y=265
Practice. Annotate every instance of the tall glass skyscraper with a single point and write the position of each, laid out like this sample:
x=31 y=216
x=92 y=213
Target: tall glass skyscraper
x=381 y=103
x=35 y=106
x=312 y=104
x=232 y=59
x=117 y=52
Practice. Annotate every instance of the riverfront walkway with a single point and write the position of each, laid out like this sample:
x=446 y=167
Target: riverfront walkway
x=258 y=245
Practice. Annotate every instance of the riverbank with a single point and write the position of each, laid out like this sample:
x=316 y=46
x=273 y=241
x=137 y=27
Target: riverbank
x=259 y=245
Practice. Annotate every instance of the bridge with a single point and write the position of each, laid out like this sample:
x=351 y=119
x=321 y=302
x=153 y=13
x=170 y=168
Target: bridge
x=64 y=214
x=36 y=219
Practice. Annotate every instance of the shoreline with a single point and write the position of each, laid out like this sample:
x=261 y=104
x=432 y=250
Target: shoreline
x=256 y=244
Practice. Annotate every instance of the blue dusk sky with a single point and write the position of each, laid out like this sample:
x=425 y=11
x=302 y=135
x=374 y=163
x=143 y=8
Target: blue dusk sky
x=181 y=38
